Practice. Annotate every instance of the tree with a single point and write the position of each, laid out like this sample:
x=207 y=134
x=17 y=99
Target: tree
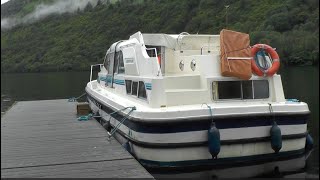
x=88 y=7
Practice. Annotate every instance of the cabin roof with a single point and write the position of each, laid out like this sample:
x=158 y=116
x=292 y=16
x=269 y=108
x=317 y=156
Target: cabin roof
x=160 y=40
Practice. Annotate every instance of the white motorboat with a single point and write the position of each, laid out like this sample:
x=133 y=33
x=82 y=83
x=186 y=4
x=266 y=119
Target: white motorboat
x=171 y=101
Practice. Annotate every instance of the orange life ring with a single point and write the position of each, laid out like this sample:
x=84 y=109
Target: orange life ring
x=274 y=55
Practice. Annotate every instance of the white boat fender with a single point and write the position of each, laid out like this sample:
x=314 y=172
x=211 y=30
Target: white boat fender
x=309 y=142
x=214 y=141
x=276 y=139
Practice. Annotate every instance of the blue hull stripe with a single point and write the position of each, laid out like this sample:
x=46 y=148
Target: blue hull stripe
x=204 y=124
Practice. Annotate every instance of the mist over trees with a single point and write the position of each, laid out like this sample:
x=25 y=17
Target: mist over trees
x=74 y=40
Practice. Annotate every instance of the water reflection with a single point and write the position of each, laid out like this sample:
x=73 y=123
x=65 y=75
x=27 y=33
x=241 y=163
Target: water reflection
x=303 y=83
x=40 y=86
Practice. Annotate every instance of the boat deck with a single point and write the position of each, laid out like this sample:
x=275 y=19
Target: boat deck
x=44 y=139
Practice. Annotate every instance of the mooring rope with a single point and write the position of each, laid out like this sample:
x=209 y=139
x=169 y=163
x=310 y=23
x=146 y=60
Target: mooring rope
x=122 y=120
x=271 y=112
x=74 y=99
x=210 y=111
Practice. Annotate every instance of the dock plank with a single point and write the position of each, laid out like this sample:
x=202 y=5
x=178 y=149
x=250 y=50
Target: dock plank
x=114 y=169
x=44 y=139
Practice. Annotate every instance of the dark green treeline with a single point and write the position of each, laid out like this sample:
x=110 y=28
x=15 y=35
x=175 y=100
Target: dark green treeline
x=74 y=41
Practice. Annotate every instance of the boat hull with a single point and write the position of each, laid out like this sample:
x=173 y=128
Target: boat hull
x=182 y=146
x=273 y=165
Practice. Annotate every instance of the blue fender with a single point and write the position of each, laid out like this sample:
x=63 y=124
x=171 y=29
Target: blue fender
x=309 y=142
x=214 y=140
x=276 y=139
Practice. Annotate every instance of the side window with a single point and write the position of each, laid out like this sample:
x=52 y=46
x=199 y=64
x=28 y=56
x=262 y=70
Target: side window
x=257 y=89
x=142 y=90
x=134 y=88
x=137 y=89
x=107 y=61
x=120 y=63
x=247 y=90
x=116 y=62
x=261 y=89
x=109 y=57
x=128 y=86
x=229 y=90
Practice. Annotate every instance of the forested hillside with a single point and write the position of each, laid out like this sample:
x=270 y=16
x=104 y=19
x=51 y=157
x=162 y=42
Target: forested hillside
x=73 y=41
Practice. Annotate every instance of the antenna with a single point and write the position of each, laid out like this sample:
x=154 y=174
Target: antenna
x=227 y=6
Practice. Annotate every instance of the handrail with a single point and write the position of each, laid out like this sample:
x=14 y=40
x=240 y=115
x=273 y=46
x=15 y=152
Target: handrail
x=179 y=39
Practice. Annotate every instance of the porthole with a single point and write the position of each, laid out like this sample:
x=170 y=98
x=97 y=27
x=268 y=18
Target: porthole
x=193 y=65
x=181 y=65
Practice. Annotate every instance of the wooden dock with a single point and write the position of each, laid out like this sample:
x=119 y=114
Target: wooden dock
x=44 y=139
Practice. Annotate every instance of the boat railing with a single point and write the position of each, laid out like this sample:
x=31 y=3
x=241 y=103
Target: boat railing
x=100 y=65
x=179 y=39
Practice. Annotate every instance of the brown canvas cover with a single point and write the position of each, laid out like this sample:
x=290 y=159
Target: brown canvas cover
x=235 y=54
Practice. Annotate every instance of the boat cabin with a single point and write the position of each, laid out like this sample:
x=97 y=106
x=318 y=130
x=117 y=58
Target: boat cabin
x=162 y=70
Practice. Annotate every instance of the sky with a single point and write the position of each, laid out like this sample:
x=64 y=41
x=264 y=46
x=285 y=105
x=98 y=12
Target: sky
x=3 y=1
x=43 y=10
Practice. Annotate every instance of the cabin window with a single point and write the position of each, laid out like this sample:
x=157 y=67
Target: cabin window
x=257 y=89
x=128 y=86
x=134 y=90
x=153 y=51
x=247 y=90
x=229 y=89
x=261 y=89
x=119 y=65
x=116 y=62
x=142 y=90
x=110 y=63
x=107 y=61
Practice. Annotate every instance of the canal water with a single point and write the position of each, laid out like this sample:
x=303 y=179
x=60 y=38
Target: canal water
x=301 y=83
